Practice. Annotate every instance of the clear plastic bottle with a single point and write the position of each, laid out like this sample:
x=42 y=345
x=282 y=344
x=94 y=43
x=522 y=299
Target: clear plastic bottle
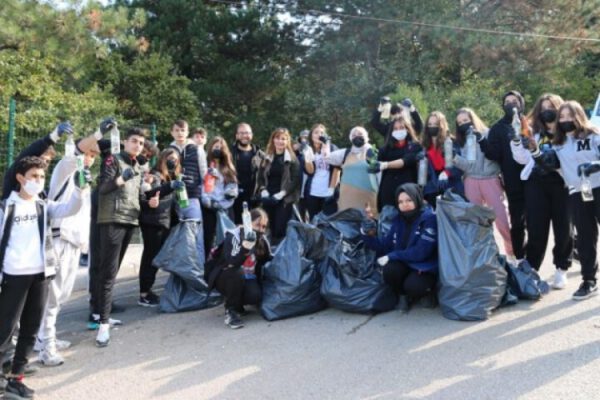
x=115 y=141
x=80 y=167
x=471 y=146
x=422 y=176
x=586 y=189
x=516 y=123
x=246 y=220
x=448 y=153
x=69 y=146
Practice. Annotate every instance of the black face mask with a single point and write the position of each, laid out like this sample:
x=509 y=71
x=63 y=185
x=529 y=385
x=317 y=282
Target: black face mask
x=217 y=153
x=410 y=216
x=548 y=116
x=142 y=160
x=508 y=109
x=464 y=128
x=568 y=126
x=171 y=165
x=433 y=130
x=358 y=141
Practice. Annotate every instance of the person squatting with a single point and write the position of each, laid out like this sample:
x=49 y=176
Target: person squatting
x=544 y=164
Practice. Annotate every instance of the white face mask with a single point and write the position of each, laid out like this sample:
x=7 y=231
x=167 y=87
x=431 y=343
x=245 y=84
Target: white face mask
x=399 y=134
x=33 y=188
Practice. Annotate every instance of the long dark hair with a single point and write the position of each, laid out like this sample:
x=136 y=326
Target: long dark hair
x=225 y=164
x=443 y=131
x=583 y=126
x=406 y=124
x=535 y=114
x=161 y=165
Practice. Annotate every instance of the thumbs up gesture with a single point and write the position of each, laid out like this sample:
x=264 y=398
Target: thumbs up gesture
x=154 y=200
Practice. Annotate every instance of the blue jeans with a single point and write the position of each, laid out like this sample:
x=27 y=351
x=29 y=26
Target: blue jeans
x=194 y=212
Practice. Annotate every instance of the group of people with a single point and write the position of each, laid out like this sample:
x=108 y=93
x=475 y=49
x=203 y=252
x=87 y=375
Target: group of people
x=548 y=177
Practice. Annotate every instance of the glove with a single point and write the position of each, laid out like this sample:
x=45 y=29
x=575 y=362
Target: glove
x=248 y=245
x=127 y=174
x=443 y=176
x=408 y=104
x=250 y=236
x=383 y=260
x=377 y=167
x=264 y=194
x=188 y=180
x=330 y=192
x=213 y=172
x=176 y=185
x=279 y=195
x=215 y=205
x=231 y=193
x=478 y=136
x=368 y=227
x=107 y=125
x=61 y=129
x=309 y=155
x=586 y=169
x=87 y=178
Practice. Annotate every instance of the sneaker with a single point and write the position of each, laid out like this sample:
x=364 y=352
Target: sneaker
x=403 y=304
x=586 y=290
x=233 y=320
x=149 y=300
x=30 y=369
x=60 y=344
x=50 y=357
x=94 y=322
x=560 y=279
x=103 y=336
x=16 y=390
x=429 y=300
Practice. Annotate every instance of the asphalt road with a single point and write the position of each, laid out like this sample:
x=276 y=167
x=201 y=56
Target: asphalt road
x=548 y=349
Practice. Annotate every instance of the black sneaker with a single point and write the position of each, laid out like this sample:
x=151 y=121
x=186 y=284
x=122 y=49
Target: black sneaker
x=429 y=301
x=233 y=320
x=16 y=390
x=586 y=290
x=403 y=304
x=30 y=369
x=149 y=300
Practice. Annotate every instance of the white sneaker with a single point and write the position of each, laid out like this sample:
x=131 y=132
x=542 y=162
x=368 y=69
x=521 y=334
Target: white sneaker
x=511 y=259
x=560 y=279
x=50 y=357
x=60 y=344
x=103 y=336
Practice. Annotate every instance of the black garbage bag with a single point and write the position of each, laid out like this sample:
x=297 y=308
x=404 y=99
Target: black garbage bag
x=291 y=280
x=352 y=280
x=386 y=217
x=524 y=281
x=472 y=277
x=186 y=289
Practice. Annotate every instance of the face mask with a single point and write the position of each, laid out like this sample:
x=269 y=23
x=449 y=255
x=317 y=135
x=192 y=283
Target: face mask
x=358 y=141
x=568 y=126
x=410 y=216
x=433 y=131
x=141 y=160
x=399 y=134
x=508 y=109
x=464 y=128
x=33 y=188
x=548 y=116
x=217 y=153
x=171 y=165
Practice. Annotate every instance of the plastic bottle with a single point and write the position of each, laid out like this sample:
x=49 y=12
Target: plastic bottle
x=115 y=141
x=471 y=146
x=516 y=123
x=586 y=189
x=386 y=110
x=246 y=220
x=209 y=180
x=69 y=146
x=422 y=177
x=80 y=168
x=448 y=153
x=182 y=196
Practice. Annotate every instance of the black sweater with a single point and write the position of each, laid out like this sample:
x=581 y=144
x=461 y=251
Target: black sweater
x=496 y=147
x=392 y=178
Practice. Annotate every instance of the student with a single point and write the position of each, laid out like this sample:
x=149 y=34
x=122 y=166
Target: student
x=356 y=186
x=440 y=176
x=118 y=215
x=482 y=176
x=408 y=253
x=545 y=194
x=496 y=147
x=70 y=237
x=155 y=219
x=247 y=157
x=200 y=136
x=25 y=229
x=278 y=182
x=237 y=270
x=398 y=160
x=576 y=151
x=224 y=189
x=405 y=109
x=43 y=148
x=320 y=179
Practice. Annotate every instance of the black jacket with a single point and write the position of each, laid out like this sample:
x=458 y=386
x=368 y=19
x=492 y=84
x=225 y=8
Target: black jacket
x=391 y=179
x=496 y=147
x=258 y=157
x=161 y=215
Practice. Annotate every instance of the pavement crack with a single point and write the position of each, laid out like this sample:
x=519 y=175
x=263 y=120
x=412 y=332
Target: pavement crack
x=357 y=327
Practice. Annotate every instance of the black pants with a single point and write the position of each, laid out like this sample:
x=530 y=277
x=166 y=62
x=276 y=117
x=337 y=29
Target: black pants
x=238 y=291
x=431 y=199
x=154 y=237
x=22 y=301
x=209 y=219
x=407 y=281
x=95 y=280
x=516 y=208
x=314 y=205
x=114 y=239
x=586 y=216
x=545 y=203
x=279 y=216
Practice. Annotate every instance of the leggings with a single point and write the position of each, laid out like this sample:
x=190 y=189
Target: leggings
x=407 y=281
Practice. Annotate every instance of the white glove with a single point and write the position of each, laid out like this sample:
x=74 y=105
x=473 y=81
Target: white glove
x=264 y=193
x=309 y=155
x=279 y=195
x=248 y=245
x=383 y=260
x=330 y=192
x=443 y=176
x=383 y=165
